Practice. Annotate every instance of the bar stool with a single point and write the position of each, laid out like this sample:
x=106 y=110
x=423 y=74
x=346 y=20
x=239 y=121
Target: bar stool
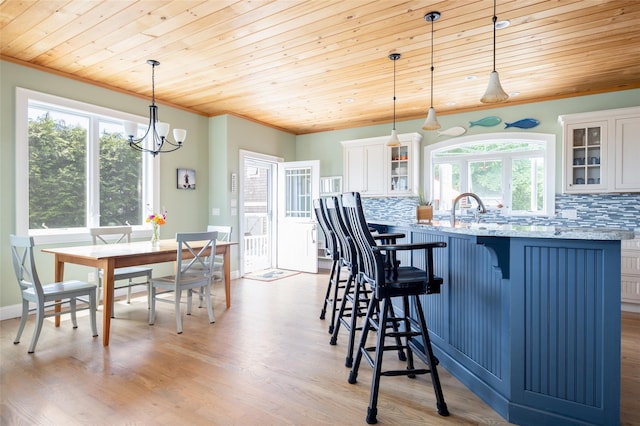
x=405 y=283
x=354 y=300
x=332 y=297
x=356 y=294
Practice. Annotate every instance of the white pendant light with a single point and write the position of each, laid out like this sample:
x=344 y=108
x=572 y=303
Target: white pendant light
x=494 y=92
x=393 y=140
x=431 y=123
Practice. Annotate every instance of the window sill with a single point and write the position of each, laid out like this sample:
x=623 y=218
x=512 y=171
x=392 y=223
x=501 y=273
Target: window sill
x=76 y=235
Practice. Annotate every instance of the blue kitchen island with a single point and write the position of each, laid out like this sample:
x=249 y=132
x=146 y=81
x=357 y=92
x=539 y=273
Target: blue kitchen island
x=528 y=317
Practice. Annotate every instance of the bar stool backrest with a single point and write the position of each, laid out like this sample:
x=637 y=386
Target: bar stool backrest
x=368 y=255
x=347 y=245
x=330 y=239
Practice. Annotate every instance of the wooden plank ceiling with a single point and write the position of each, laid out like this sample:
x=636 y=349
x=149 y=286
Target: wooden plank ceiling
x=318 y=65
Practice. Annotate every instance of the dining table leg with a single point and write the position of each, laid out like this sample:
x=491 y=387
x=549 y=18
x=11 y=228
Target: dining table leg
x=108 y=268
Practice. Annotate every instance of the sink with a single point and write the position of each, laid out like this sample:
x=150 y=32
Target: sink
x=483 y=225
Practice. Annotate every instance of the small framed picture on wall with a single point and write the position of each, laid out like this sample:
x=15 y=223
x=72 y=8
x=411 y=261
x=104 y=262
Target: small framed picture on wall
x=186 y=179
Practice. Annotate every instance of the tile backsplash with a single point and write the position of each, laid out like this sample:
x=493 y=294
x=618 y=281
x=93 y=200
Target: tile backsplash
x=592 y=210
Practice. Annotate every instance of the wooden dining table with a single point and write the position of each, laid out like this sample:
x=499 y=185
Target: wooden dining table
x=108 y=257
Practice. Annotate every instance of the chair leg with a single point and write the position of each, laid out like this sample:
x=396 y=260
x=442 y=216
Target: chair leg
x=92 y=313
x=343 y=308
x=336 y=298
x=372 y=410
x=152 y=307
x=72 y=305
x=129 y=291
x=99 y=292
x=328 y=293
x=435 y=379
x=366 y=326
x=149 y=290
x=207 y=294
x=189 y=299
x=394 y=326
x=37 y=329
x=113 y=304
x=23 y=320
x=360 y=288
x=178 y=296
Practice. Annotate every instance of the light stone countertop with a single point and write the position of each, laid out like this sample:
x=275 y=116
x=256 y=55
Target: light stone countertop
x=521 y=231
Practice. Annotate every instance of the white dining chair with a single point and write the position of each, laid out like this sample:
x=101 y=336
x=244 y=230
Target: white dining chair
x=116 y=235
x=192 y=274
x=48 y=296
x=224 y=235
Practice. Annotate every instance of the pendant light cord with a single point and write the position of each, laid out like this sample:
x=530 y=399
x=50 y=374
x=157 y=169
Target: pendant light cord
x=394 y=94
x=153 y=84
x=432 y=68
x=495 y=19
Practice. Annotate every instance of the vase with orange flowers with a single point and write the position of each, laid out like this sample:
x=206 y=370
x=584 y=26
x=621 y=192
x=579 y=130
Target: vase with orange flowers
x=156 y=221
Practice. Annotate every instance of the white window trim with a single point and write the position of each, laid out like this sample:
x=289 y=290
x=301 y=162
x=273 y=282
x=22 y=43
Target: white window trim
x=47 y=236
x=549 y=140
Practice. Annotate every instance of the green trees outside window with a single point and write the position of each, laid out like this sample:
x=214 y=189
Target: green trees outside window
x=514 y=173
x=62 y=173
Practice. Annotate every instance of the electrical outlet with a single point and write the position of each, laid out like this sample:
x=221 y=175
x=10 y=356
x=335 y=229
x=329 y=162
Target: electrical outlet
x=215 y=211
x=91 y=277
x=569 y=214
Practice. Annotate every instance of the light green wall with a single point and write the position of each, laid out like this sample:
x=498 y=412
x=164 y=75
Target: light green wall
x=186 y=209
x=326 y=145
x=212 y=148
x=227 y=136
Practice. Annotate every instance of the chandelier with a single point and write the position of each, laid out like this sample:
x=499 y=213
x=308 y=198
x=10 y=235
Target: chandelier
x=157 y=130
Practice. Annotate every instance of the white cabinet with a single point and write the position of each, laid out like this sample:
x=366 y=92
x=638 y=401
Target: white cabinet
x=363 y=169
x=627 y=145
x=376 y=170
x=601 y=149
x=630 y=278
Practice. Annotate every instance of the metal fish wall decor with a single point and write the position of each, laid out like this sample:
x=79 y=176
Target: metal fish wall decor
x=453 y=131
x=486 y=122
x=525 y=123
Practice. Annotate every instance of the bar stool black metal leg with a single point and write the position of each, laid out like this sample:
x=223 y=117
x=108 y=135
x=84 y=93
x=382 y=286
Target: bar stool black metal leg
x=432 y=361
x=336 y=297
x=366 y=326
x=372 y=410
x=329 y=287
x=358 y=292
x=342 y=311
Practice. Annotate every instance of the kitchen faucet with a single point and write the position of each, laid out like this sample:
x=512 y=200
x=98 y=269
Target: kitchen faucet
x=481 y=207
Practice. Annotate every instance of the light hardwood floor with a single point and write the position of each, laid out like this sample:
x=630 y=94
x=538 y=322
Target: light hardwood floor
x=266 y=361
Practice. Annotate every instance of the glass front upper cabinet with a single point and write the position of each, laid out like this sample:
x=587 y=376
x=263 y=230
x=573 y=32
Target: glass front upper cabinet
x=584 y=157
x=399 y=178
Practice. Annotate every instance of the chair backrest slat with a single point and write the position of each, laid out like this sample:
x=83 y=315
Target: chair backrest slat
x=199 y=264
x=24 y=264
x=122 y=234
x=224 y=232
